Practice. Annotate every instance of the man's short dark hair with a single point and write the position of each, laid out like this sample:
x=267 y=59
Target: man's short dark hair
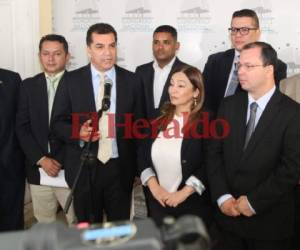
x=247 y=13
x=100 y=28
x=167 y=29
x=54 y=38
x=268 y=53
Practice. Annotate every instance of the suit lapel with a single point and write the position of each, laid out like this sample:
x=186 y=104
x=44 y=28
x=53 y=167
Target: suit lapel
x=41 y=99
x=149 y=85
x=120 y=93
x=239 y=121
x=87 y=89
x=59 y=84
x=265 y=122
x=186 y=142
x=227 y=65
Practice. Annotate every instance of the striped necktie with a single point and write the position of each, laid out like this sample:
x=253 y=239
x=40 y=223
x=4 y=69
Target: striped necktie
x=105 y=143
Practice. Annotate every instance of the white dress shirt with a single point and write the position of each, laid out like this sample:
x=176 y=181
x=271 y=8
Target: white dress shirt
x=160 y=78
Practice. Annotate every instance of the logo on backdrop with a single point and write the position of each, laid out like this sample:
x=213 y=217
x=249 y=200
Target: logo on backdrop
x=263 y=9
x=73 y=62
x=87 y=12
x=291 y=56
x=137 y=16
x=121 y=59
x=194 y=16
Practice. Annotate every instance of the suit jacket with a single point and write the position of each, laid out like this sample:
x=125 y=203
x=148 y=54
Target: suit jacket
x=216 y=73
x=76 y=96
x=193 y=161
x=12 y=176
x=11 y=158
x=33 y=128
x=291 y=87
x=146 y=74
x=266 y=171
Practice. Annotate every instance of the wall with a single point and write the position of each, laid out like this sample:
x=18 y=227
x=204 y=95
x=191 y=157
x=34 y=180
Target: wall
x=202 y=26
x=19 y=32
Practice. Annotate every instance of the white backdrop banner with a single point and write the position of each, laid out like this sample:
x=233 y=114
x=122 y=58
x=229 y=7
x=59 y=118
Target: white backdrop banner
x=202 y=27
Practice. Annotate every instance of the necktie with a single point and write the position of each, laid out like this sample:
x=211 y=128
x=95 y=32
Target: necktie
x=51 y=94
x=105 y=143
x=234 y=81
x=251 y=123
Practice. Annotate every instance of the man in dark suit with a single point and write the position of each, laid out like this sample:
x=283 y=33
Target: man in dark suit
x=12 y=177
x=254 y=170
x=105 y=183
x=44 y=152
x=220 y=74
x=156 y=75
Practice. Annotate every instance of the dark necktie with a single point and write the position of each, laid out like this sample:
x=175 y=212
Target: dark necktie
x=251 y=123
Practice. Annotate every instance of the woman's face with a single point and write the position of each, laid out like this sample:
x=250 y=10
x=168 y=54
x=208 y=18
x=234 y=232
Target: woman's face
x=182 y=92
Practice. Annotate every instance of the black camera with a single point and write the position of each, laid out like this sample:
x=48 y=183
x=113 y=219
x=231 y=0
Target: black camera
x=186 y=233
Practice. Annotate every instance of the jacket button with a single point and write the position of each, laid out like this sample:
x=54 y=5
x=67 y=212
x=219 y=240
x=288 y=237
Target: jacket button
x=183 y=161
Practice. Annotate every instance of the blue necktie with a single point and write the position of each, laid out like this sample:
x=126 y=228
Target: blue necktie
x=234 y=81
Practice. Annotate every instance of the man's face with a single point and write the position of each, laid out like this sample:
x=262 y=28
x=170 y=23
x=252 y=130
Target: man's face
x=238 y=40
x=53 y=57
x=253 y=75
x=164 y=47
x=103 y=51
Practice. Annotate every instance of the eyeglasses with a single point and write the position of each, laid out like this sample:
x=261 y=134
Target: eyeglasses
x=243 y=30
x=247 y=66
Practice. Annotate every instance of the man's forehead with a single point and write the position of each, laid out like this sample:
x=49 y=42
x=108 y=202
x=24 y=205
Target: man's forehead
x=103 y=38
x=51 y=45
x=162 y=36
x=251 y=53
x=52 y=48
x=242 y=21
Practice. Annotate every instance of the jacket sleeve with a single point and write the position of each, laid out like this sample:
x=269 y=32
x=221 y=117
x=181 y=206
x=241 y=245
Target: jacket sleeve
x=285 y=177
x=29 y=145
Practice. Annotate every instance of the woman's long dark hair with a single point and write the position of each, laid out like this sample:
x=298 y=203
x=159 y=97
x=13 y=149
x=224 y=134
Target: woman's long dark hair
x=168 y=109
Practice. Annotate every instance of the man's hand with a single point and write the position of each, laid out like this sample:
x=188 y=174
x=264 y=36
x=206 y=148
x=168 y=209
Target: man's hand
x=51 y=166
x=174 y=199
x=229 y=207
x=243 y=206
x=86 y=130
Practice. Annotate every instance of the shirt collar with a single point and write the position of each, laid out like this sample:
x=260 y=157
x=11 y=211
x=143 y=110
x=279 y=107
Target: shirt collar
x=236 y=56
x=263 y=100
x=109 y=73
x=168 y=66
x=55 y=76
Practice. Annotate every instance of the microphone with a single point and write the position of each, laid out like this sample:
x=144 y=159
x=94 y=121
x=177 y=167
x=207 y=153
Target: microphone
x=106 y=95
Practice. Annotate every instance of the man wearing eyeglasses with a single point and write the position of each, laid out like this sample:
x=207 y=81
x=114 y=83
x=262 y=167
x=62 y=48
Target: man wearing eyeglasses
x=254 y=170
x=220 y=74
